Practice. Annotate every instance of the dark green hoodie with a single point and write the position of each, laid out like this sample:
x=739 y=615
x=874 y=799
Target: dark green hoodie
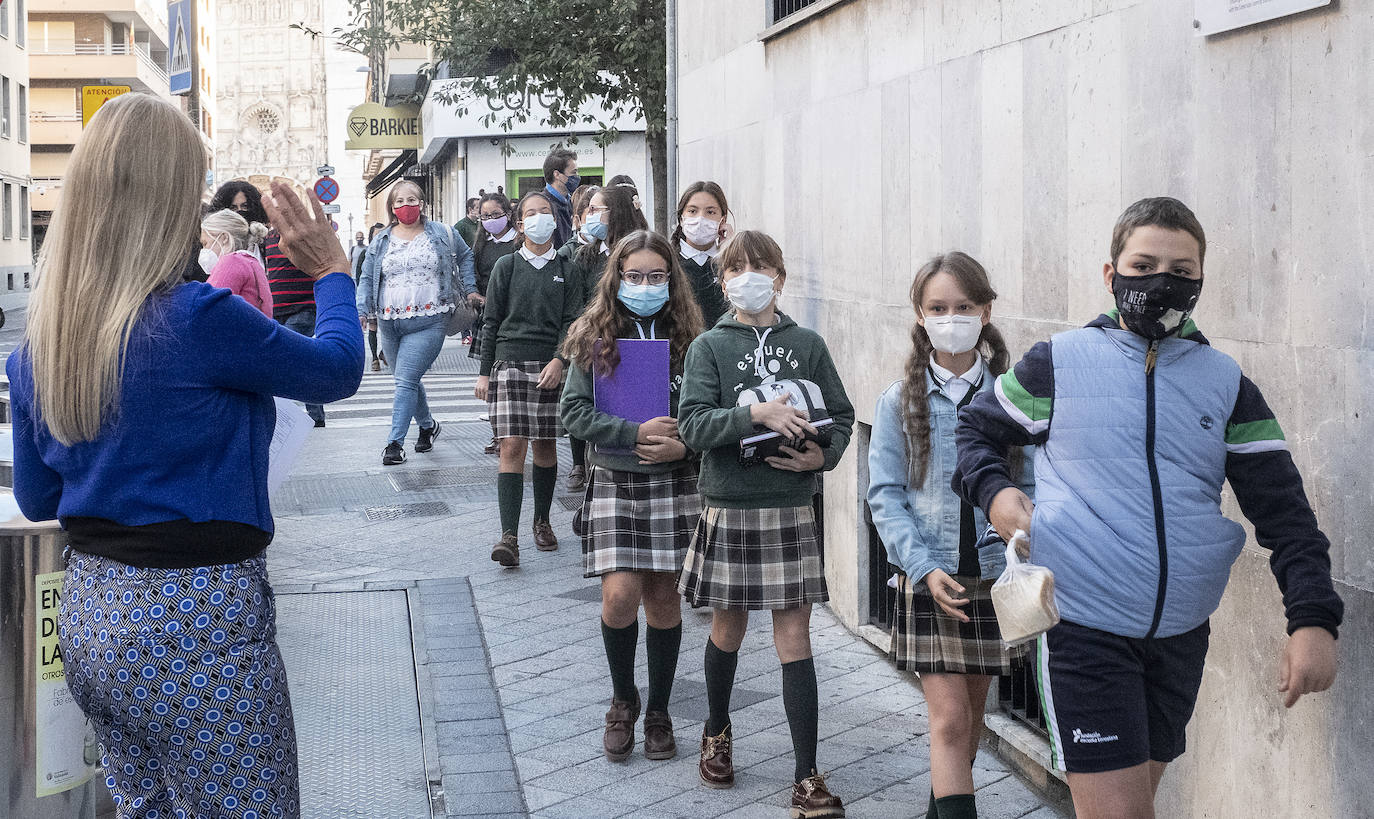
x=720 y=364
x=583 y=420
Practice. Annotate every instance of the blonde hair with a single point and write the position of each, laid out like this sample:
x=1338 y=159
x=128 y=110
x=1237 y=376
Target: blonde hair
x=241 y=233
x=126 y=234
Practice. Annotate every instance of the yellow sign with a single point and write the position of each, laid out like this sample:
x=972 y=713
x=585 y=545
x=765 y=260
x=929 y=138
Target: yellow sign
x=94 y=96
x=67 y=749
x=371 y=126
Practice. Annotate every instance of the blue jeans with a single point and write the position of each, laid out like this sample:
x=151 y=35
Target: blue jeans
x=303 y=322
x=411 y=345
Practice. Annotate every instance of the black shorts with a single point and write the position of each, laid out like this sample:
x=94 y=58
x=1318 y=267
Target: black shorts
x=1113 y=702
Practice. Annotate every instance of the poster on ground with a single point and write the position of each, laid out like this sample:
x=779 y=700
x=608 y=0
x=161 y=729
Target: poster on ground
x=66 y=749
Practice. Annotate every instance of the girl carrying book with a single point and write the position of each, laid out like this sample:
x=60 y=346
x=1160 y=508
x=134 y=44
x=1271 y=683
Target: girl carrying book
x=641 y=503
x=755 y=546
x=944 y=627
x=531 y=300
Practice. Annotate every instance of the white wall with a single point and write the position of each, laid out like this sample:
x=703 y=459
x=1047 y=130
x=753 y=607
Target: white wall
x=1017 y=131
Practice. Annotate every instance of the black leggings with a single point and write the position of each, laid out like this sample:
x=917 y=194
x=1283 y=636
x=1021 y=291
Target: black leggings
x=372 y=342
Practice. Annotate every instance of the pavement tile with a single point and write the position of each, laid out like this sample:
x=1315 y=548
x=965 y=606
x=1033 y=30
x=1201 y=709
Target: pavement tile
x=458 y=803
x=481 y=782
x=479 y=762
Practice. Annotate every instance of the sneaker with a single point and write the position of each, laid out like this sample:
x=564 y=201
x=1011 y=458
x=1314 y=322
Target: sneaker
x=393 y=454
x=376 y=366
x=493 y=448
x=544 y=538
x=506 y=551
x=427 y=436
x=811 y=799
x=577 y=478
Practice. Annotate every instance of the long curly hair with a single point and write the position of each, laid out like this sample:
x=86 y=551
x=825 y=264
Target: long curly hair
x=591 y=341
x=973 y=280
x=622 y=219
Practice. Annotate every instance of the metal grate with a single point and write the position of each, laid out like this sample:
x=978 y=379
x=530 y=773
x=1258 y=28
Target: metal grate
x=1018 y=695
x=570 y=503
x=786 y=8
x=882 y=598
x=399 y=511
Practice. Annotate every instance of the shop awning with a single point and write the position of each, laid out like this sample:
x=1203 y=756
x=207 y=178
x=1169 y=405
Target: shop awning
x=392 y=172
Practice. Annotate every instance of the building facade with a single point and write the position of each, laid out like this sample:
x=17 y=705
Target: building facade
x=271 y=114
x=77 y=43
x=869 y=135
x=16 y=255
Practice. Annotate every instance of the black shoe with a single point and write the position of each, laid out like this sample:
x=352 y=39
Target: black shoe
x=393 y=454
x=427 y=436
x=319 y=423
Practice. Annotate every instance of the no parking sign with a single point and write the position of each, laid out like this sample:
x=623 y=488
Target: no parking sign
x=326 y=189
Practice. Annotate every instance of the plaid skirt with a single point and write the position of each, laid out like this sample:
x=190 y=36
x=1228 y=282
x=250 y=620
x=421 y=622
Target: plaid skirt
x=754 y=559
x=630 y=521
x=518 y=408
x=926 y=640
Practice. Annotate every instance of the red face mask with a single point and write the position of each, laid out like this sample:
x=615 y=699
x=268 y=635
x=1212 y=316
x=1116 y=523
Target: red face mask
x=407 y=214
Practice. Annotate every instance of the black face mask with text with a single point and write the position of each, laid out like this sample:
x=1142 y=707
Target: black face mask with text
x=1155 y=306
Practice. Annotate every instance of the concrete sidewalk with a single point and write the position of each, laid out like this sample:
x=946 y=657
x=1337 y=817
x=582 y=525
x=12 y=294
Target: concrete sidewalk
x=511 y=680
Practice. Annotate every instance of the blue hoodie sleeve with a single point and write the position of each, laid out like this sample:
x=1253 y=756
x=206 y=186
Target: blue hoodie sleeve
x=244 y=350
x=1269 y=489
x=37 y=487
x=1016 y=412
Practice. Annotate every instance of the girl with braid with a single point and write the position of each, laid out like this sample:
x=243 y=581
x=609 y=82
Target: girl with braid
x=944 y=627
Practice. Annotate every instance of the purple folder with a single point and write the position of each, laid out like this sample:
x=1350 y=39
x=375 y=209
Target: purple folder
x=638 y=389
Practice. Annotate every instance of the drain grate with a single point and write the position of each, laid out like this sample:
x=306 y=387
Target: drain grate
x=570 y=502
x=399 y=511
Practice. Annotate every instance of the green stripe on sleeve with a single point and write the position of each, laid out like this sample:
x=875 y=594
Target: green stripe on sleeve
x=1250 y=432
x=1034 y=408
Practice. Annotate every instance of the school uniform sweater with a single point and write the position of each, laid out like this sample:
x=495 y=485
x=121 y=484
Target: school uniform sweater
x=590 y=266
x=706 y=287
x=720 y=364
x=1129 y=469
x=528 y=310
x=583 y=420
x=486 y=258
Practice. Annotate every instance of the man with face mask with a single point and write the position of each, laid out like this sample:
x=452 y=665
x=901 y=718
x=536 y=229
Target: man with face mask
x=1138 y=422
x=561 y=179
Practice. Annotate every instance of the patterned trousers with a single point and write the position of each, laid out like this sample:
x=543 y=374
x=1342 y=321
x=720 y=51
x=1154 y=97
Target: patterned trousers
x=179 y=672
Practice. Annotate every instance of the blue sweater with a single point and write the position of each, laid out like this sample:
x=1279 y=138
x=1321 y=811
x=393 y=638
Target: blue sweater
x=190 y=439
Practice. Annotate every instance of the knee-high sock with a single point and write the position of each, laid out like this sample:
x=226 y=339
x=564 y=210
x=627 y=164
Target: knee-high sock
x=661 y=645
x=372 y=342
x=579 y=450
x=720 y=682
x=510 y=494
x=620 y=656
x=801 y=702
x=545 y=481
x=958 y=806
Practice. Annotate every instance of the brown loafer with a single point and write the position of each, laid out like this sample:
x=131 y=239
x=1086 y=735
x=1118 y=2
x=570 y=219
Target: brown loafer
x=619 y=740
x=506 y=551
x=544 y=538
x=717 y=766
x=811 y=799
x=659 y=742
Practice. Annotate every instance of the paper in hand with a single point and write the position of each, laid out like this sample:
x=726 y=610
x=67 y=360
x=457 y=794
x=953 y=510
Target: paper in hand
x=287 y=440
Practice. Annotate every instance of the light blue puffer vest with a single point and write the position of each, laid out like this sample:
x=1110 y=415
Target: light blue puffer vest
x=1096 y=502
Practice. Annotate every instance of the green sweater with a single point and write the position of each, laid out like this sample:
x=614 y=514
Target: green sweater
x=528 y=311
x=588 y=275
x=706 y=287
x=720 y=363
x=485 y=259
x=466 y=228
x=583 y=420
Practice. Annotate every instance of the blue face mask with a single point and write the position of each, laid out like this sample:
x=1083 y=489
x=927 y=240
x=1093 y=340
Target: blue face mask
x=573 y=181
x=597 y=230
x=643 y=299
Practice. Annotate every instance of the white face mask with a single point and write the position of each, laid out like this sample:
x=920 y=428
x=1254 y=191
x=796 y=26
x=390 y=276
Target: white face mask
x=700 y=231
x=208 y=259
x=539 y=227
x=954 y=334
x=750 y=292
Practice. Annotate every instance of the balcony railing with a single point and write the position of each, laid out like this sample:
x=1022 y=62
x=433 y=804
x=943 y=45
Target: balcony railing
x=61 y=49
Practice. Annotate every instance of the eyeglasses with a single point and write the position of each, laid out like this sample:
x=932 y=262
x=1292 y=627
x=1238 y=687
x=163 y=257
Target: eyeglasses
x=409 y=200
x=654 y=277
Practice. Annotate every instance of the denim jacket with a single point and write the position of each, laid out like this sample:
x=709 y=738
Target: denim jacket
x=920 y=526
x=456 y=276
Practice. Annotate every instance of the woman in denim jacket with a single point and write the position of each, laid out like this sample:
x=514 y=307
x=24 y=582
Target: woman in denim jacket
x=413 y=276
x=944 y=627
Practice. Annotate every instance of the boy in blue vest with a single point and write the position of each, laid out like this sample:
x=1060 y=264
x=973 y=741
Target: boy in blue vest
x=1138 y=422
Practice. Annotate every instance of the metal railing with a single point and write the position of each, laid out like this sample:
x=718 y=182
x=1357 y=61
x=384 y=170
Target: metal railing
x=70 y=49
x=785 y=8
x=1018 y=694
x=882 y=598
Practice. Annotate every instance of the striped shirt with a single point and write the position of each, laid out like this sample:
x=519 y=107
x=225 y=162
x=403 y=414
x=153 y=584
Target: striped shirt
x=292 y=290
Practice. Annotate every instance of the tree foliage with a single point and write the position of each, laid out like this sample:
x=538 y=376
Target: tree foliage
x=565 y=52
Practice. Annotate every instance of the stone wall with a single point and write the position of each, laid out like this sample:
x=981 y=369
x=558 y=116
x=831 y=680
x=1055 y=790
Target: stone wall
x=871 y=137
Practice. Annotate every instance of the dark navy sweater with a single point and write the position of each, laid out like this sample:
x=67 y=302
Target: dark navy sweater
x=190 y=439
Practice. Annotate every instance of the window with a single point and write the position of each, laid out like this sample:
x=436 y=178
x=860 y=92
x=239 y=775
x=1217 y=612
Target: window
x=23 y=214
x=23 y=95
x=19 y=27
x=786 y=8
x=4 y=106
x=7 y=212
x=5 y=20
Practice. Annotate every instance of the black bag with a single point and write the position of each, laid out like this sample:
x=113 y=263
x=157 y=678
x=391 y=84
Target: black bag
x=764 y=443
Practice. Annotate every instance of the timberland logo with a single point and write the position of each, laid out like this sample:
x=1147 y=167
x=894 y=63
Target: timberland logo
x=1206 y=422
x=1085 y=738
